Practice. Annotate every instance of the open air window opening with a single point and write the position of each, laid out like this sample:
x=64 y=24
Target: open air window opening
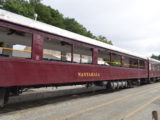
x=116 y=60
x=141 y=64
x=103 y=57
x=15 y=43
x=56 y=50
x=82 y=55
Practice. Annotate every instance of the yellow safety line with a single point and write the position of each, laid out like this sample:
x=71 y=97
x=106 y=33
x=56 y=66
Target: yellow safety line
x=73 y=114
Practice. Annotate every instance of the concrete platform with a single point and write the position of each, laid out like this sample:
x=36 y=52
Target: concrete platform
x=127 y=104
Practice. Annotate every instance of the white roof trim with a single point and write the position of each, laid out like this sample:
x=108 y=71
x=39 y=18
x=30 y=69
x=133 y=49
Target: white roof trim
x=18 y=19
x=154 y=60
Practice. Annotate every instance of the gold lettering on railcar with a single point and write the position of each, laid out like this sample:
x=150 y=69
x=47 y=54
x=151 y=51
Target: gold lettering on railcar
x=88 y=74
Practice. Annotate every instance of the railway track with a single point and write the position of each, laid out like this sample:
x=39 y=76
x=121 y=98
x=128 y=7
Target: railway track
x=38 y=99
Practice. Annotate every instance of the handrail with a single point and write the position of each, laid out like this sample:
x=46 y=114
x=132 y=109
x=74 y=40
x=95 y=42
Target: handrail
x=15 y=49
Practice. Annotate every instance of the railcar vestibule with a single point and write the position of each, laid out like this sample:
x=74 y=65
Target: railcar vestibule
x=15 y=43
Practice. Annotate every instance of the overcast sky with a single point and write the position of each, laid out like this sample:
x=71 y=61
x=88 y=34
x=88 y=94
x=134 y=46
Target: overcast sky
x=130 y=24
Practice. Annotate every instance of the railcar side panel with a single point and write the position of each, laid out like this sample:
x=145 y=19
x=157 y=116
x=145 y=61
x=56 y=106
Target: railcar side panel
x=19 y=72
x=154 y=69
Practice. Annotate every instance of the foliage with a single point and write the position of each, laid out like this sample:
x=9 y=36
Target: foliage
x=72 y=25
x=2 y=2
x=103 y=39
x=20 y=7
x=48 y=15
x=155 y=57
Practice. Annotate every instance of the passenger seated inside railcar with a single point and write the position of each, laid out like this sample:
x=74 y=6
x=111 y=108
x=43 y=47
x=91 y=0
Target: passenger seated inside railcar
x=15 y=43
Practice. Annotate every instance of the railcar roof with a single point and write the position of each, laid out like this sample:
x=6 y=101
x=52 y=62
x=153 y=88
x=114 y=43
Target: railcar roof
x=18 y=19
x=154 y=60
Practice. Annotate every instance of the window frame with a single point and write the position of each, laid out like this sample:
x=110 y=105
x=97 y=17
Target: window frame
x=18 y=28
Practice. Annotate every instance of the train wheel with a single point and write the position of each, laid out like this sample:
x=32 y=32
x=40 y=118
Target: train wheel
x=108 y=86
x=130 y=84
x=2 y=97
x=138 y=82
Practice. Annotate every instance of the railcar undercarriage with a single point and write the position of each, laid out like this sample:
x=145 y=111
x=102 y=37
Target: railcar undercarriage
x=5 y=93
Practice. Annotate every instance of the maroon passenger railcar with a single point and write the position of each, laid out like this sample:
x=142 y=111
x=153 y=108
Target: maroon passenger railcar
x=154 y=69
x=34 y=54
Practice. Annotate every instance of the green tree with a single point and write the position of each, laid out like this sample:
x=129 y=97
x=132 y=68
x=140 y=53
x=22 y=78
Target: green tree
x=2 y=2
x=155 y=57
x=57 y=18
x=34 y=2
x=21 y=7
x=48 y=15
x=72 y=25
x=44 y=13
x=104 y=39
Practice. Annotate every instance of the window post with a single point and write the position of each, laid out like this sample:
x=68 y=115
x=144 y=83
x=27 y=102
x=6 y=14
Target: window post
x=72 y=52
x=122 y=61
x=94 y=56
x=111 y=59
x=37 y=47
